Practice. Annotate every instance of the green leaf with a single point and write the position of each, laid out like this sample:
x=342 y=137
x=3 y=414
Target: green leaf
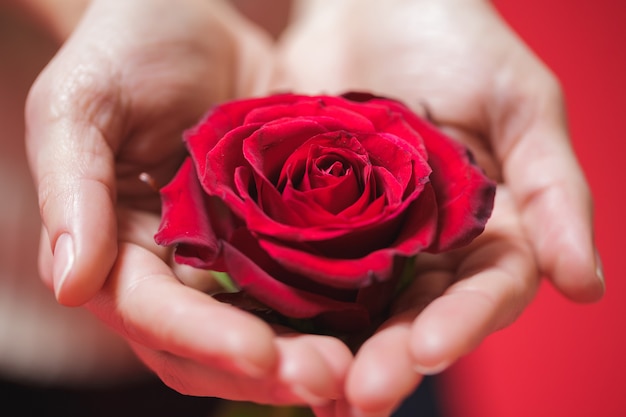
x=225 y=281
x=407 y=276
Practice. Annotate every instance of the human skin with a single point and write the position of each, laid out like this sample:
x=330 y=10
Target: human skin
x=457 y=62
x=99 y=105
x=41 y=340
x=110 y=106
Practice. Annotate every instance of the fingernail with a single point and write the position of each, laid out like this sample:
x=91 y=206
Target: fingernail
x=430 y=370
x=63 y=262
x=599 y=268
x=251 y=369
x=308 y=397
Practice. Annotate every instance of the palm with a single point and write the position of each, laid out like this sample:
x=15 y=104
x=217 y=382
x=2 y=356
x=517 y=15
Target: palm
x=457 y=63
x=457 y=299
x=171 y=99
x=433 y=57
x=111 y=106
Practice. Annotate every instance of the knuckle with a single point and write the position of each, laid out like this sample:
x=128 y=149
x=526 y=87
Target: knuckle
x=87 y=94
x=50 y=195
x=552 y=86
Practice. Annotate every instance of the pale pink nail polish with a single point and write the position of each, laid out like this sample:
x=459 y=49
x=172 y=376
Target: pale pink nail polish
x=430 y=370
x=63 y=262
x=306 y=395
x=599 y=268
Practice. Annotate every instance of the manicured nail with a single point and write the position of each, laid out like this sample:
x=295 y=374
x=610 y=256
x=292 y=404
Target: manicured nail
x=63 y=262
x=307 y=396
x=430 y=370
x=599 y=268
x=250 y=369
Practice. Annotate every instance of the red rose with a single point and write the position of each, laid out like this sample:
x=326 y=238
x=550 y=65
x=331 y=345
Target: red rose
x=313 y=204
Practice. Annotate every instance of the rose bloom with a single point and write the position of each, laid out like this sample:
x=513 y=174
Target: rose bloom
x=314 y=205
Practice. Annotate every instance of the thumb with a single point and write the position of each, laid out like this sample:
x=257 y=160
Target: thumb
x=68 y=118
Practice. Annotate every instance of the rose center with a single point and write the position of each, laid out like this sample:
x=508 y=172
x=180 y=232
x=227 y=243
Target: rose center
x=331 y=166
x=328 y=172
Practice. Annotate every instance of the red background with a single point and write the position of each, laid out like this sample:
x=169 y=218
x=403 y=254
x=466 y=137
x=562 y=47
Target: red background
x=559 y=358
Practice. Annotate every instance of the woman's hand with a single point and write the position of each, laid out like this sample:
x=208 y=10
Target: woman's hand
x=457 y=62
x=110 y=107
x=199 y=346
x=456 y=301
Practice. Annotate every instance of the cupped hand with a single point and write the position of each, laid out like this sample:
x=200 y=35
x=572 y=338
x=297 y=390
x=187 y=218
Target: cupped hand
x=456 y=62
x=457 y=300
x=478 y=81
x=109 y=110
x=112 y=105
x=199 y=346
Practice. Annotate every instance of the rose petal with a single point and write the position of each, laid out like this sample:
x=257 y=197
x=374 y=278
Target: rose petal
x=189 y=219
x=216 y=168
x=464 y=194
x=269 y=290
x=400 y=158
x=383 y=117
x=305 y=181
x=222 y=119
x=278 y=214
x=341 y=147
x=337 y=272
x=321 y=109
x=418 y=227
x=270 y=146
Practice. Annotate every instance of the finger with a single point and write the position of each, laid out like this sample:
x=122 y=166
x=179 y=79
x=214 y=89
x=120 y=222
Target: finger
x=383 y=371
x=326 y=410
x=139 y=227
x=67 y=116
x=541 y=169
x=314 y=367
x=497 y=279
x=337 y=356
x=45 y=259
x=435 y=323
x=302 y=376
x=193 y=378
x=382 y=374
x=145 y=303
x=311 y=368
